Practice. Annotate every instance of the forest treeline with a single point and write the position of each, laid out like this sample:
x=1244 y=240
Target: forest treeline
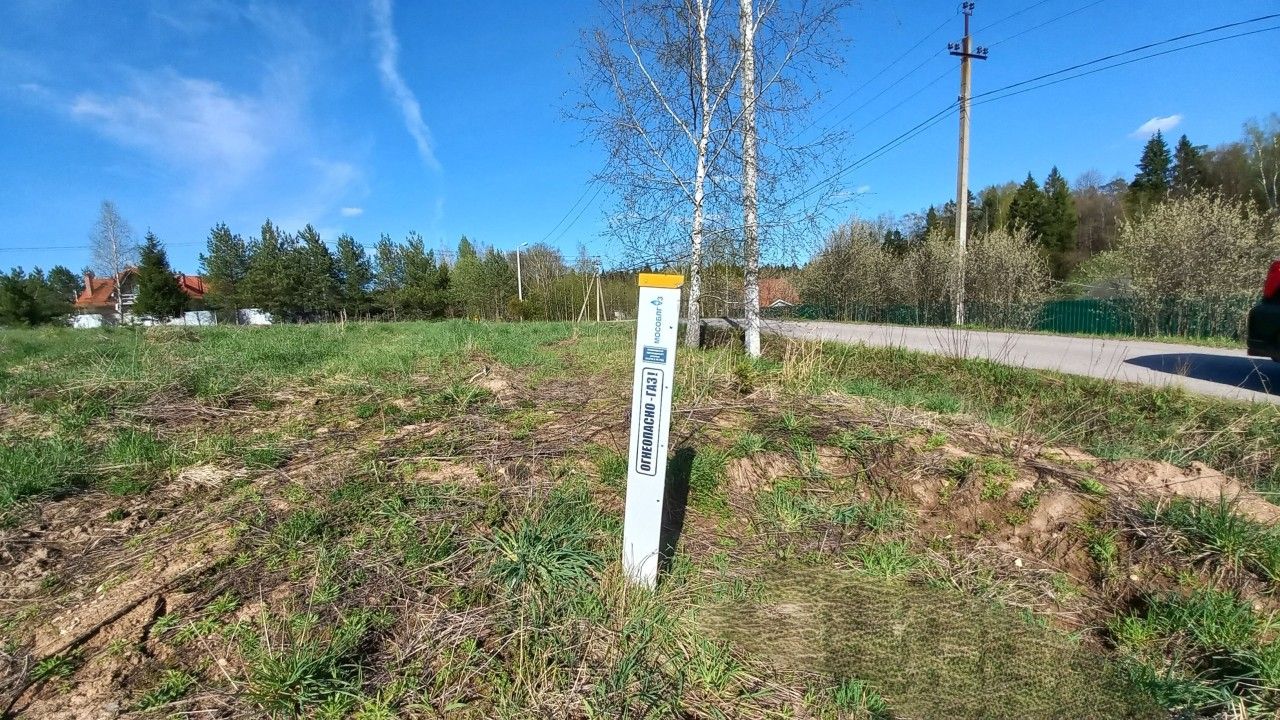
x=299 y=277
x=1184 y=244
x=1073 y=222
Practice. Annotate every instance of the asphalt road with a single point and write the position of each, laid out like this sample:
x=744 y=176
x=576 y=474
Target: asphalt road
x=1208 y=371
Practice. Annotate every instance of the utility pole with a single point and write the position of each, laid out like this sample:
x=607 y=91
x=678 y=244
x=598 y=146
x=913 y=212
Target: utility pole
x=599 y=290
x=966 y=52
x=519 y=279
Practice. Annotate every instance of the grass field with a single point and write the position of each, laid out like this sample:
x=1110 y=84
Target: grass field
x=423 y=520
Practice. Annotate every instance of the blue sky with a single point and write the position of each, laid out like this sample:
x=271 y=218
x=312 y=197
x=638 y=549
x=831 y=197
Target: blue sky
x=370 y=116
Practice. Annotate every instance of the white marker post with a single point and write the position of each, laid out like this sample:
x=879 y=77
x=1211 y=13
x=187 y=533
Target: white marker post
x=656 y=325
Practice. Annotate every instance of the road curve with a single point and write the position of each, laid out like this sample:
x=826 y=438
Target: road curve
x=1207 y=371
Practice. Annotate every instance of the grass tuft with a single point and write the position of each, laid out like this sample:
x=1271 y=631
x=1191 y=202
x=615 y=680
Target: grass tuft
x=1216 y=529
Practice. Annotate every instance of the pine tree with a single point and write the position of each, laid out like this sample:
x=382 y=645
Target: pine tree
x=467 y=282
x=316 y=276
x=388 y=280
x=499 y=284
x=225 y=265
x=1155 y=168
x=1188 y=168
x=444 y=285
x=159 y=294
x=1028 y=206
x=63 y=286
x=18 y=304
x=354 y=275
x=271 y=280
x=421 y=295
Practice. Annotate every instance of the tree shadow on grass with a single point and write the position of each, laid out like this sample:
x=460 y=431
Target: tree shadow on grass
x=675 y=503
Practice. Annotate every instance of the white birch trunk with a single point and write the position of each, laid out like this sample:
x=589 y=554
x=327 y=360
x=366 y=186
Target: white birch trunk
x=750 y=227
x=693 y=316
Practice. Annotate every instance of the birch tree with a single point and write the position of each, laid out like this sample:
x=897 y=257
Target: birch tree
x=659 y=75
x=783 y=49
x=1262 y=141
x=112 y=248
x=750 y=208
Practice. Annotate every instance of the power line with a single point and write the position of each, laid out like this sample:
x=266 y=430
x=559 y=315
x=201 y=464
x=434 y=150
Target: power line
x=882 y=71
x=1010 y=16
x=1050 y=21
x=891 y=86
x=1119 y=64
x=40 y=248
x=599 y=188
x=941 y=115
x=878 y=152
x=904 y=100
x=1140 y=48
x=568 y=212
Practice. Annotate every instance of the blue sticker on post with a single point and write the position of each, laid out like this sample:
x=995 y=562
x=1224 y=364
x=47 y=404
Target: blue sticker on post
x=655 y=355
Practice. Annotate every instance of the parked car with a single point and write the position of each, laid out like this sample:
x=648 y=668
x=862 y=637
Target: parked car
x=1264 y=319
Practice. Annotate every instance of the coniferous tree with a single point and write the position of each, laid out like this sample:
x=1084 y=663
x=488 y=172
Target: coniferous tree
x=354 y=275
x=932 y=221
x=1058 y=222
x=225 y=265
x=1027 y=209
x=498 y=284
x=1188 y=174
x=895 y=242
x=466 y=282
x=35 y=299
x=388 y=279
x=1059 y=217
x=444 y=285
x=1155 y=168
x=18 y=304
x=315 y=279
x=63 y=285
x=271 y=278
x=421 y=294
x=159 y=294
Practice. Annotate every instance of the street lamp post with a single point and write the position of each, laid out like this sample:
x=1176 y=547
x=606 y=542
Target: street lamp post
x=519 y=278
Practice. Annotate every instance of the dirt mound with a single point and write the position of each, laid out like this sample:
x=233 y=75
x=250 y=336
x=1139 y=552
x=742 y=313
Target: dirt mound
x=1196 y=481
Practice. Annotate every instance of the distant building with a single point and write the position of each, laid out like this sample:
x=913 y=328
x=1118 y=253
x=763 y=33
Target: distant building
x=777 y=293
x=100 y=294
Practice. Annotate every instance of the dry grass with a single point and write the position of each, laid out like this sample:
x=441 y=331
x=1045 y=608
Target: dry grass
x=400 y=533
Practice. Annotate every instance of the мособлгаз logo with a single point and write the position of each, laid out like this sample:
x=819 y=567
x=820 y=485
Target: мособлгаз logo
x=657 y=319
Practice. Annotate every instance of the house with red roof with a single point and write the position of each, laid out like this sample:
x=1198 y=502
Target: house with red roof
x=100 y=295
x=778 y=293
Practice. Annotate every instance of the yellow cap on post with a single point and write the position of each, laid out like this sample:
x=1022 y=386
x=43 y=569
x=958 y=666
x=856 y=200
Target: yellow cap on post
x=661 y=280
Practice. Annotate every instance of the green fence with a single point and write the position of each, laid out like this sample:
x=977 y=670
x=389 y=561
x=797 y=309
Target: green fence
x=1083 y=316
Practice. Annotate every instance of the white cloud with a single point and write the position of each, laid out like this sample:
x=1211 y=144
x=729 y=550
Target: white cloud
x=862 y=190
x=388 y=50
x=193 y=17
x=187 y=122
x=224 y=144
x=1157 y=124
x=352 y=211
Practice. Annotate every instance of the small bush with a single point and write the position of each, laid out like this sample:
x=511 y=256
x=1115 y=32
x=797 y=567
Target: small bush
x=1194 y=262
